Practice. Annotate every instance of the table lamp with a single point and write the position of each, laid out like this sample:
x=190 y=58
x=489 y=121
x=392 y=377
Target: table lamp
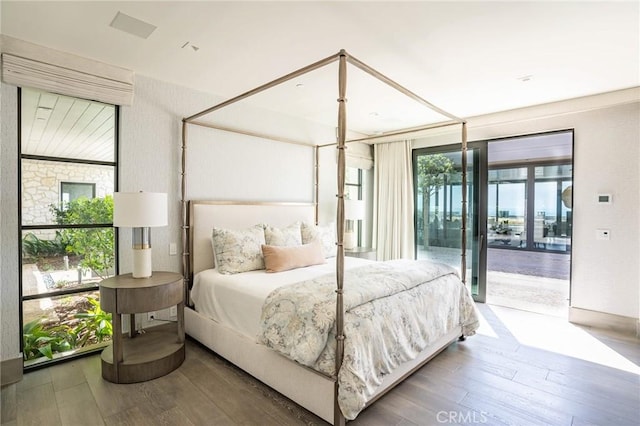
x=353 y=210
x=140 y=211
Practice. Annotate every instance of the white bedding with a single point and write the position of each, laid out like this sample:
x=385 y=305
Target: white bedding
x=393 y=311
x=236 y=300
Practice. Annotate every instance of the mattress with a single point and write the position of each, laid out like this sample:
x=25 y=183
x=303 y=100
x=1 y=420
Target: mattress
x=236 y=300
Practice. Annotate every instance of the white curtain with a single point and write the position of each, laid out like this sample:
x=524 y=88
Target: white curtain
x=393 y=201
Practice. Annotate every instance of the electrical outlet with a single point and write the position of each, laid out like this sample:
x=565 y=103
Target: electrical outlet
x=173 y=311
x=151 y=316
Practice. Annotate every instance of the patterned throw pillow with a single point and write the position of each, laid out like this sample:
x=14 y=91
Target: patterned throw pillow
x=238 y=250
x=289 y=236
x=325 y=234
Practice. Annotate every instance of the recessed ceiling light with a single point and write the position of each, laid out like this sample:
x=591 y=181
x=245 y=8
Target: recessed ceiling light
x=374 y=114
x=132 y=25
x=525 y=78
x=300 y=85
x=43 y=113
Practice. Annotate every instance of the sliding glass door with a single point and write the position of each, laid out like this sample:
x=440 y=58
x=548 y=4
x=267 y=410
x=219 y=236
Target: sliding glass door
x=519 y=217
x=438 y=218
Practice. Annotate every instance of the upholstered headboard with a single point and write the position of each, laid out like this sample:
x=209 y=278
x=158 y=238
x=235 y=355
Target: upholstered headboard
x=204 y=215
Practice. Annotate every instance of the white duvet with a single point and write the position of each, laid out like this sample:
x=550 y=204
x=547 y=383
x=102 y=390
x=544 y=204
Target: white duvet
x=236 y=300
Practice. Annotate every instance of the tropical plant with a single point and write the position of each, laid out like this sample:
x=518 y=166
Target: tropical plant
x=94 y=323
x=40 y=341
x=95 y=246
x=36 y=248
x=432 y=171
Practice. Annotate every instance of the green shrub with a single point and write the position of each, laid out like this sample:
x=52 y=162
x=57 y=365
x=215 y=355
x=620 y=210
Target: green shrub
x=40 y=339
x=35 y=248
x=94 y=323
x=95 y=246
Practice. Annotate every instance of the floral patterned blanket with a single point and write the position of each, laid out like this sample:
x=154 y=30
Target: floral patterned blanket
x=393 y=311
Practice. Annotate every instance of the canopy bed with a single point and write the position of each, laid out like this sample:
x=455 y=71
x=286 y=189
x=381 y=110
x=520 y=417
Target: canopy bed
x=256 y=319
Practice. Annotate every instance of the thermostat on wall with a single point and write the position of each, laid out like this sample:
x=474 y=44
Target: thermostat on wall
x=604 y=198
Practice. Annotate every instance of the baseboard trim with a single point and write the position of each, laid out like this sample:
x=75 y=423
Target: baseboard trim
x=619 y=323
x=10 y=371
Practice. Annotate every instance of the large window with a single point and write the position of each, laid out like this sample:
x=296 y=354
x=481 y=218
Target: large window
x=507 y=207
x=68 y=169
x=526 y=208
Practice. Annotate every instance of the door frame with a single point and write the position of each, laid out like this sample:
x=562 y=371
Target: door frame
x=478 y=203
x=477 y=226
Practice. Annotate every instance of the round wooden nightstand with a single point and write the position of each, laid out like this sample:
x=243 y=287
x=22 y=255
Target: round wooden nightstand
x=157 y=351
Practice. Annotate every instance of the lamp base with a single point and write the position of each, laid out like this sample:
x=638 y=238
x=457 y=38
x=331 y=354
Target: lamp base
x=141 y=263
x=349 y=240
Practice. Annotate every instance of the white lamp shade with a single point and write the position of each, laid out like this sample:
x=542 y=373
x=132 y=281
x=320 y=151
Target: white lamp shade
x=139 y=209
x=354 y=209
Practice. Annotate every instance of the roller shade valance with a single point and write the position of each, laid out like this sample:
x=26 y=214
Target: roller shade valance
x=359 y=155
x=30 y=65
x=27 y=72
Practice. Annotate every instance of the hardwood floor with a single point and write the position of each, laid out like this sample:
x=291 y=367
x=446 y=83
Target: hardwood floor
x=520 y=369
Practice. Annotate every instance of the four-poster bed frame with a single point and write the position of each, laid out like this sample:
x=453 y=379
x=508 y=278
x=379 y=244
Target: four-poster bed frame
x=343 y=59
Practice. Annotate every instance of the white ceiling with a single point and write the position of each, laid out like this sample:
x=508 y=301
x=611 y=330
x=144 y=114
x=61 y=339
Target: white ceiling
x=468 y=58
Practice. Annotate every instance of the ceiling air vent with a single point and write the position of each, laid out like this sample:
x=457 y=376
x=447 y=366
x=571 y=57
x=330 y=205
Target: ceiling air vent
x=132 y=25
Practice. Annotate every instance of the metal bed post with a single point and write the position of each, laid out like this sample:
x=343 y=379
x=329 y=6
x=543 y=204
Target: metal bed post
x=342 y=119
x=463 y=229
x=316 y=200
x=186 y=272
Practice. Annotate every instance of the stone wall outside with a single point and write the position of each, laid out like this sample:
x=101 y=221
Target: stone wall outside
x=41 y=182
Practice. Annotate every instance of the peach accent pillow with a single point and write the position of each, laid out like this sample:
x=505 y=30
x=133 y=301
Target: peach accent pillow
x=282 y=258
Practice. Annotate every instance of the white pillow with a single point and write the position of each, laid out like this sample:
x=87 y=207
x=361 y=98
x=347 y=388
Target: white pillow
x=289 y=236
x=238 y=250
x=325 y=234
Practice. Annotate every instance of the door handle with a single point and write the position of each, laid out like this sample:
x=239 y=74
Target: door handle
x=481 y=241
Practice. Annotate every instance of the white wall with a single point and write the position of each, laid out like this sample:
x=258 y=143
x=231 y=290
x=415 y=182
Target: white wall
x=605 y=274
x=9 y=305
x=231 y=166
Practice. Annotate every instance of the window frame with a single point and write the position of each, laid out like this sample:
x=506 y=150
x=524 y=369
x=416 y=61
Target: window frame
x=21 y=227
x=86 y=184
